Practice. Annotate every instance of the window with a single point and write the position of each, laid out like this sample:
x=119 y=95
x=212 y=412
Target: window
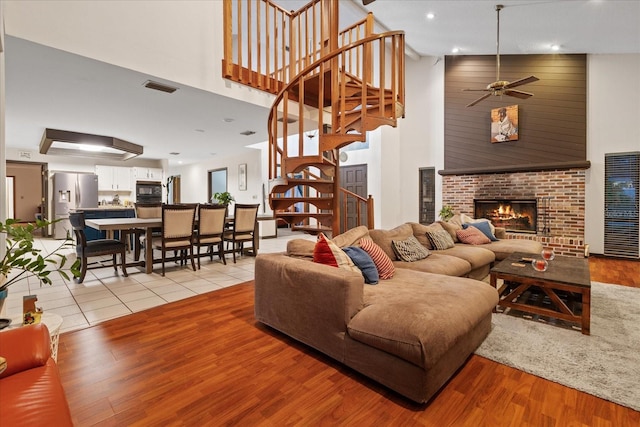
x=217 y=182
x=427 y=189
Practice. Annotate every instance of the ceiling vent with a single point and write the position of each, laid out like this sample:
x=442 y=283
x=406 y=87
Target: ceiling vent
x=289 y=120
x=159 y=86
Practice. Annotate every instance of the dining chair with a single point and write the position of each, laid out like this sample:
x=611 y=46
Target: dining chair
x=210 y=230
x=93 y=248
x=177 y=233
x=243 y=228
x=145 y=210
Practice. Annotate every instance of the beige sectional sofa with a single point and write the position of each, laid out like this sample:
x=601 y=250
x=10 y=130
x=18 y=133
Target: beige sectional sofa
x=410 y=332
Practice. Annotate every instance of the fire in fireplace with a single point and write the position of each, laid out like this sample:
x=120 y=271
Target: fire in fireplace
x=516 y=215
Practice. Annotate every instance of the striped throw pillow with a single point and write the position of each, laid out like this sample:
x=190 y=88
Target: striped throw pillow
x=382 y=261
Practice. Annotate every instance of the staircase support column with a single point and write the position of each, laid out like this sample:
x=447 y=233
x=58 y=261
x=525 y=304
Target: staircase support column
x=335 y=222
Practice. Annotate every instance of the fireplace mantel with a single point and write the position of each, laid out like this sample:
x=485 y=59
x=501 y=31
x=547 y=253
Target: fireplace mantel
x=586 y=164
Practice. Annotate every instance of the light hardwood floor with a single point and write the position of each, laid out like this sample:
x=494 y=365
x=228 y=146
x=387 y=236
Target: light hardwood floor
x=206 y=361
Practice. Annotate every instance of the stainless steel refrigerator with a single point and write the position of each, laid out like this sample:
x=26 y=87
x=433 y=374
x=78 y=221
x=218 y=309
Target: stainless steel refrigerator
x=72 y=191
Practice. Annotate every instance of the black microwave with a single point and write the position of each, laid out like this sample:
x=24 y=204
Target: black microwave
x=148 y=192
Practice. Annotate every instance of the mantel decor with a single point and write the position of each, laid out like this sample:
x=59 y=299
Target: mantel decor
x=504 y=124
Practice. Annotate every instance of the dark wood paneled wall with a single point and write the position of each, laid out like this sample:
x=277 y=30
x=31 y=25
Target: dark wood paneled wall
x=552 y=123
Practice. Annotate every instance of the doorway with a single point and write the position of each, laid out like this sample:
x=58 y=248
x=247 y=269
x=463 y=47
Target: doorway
x=353 y=178
x=29 y=190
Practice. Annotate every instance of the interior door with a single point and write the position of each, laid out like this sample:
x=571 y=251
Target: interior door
x=354 y=179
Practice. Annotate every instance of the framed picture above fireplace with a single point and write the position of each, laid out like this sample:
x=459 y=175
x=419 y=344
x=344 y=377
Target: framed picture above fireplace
x=504 y=124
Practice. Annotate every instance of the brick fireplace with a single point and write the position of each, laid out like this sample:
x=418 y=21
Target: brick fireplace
x=560 y=196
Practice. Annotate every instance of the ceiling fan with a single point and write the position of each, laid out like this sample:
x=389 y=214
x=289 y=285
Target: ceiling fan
x=502 y=87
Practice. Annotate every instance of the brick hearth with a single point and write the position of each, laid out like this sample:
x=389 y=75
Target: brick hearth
x=565 y=188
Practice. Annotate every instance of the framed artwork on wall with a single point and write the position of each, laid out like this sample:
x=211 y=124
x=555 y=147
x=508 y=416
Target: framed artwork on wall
x=504 y=124
x=242 y=177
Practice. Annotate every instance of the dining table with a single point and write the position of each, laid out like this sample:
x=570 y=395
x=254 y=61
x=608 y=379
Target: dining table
x=125 y=226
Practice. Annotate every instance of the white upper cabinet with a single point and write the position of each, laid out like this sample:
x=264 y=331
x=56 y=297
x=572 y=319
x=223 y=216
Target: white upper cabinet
x=114 y=178
x=147 y=174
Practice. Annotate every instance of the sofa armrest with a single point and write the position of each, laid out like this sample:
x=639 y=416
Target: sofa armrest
x=24 y=348
x=310 y=302
x=501 y=233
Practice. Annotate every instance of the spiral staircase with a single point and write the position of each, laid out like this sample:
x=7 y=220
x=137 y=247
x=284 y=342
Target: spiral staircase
x=331 y=88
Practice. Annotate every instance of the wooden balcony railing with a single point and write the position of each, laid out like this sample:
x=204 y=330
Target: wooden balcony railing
x=360 y=203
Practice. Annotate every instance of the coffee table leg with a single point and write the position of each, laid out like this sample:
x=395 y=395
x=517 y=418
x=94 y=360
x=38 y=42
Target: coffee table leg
x=493 y=280
x=586 y=311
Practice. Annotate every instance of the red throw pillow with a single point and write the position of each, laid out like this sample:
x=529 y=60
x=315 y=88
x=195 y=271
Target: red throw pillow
x=472 y=236
x=328 y=253
x=382 y=261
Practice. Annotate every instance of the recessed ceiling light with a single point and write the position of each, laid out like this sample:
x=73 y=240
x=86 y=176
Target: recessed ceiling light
x=228 y=120
x=247 y=133
x=555 y=47
x=173 y=153
x=430 y=15
x=455 y=50
x=199 y=130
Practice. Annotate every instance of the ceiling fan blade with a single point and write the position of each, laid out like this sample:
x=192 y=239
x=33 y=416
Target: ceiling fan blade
x=479 y=99
x=521 y=82
x=476 y=90
x=518 y=94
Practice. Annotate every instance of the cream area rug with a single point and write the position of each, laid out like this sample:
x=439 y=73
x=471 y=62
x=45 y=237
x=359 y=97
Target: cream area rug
x=605 y=364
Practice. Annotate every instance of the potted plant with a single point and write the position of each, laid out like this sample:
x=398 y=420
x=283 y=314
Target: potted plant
x=223 y=198
x=446 y=213
x=21 y=255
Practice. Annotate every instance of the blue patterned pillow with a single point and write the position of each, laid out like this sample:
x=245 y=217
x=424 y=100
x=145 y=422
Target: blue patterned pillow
x=363 y=261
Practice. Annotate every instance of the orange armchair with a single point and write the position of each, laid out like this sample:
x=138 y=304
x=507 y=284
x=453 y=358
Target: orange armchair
x=30 y=387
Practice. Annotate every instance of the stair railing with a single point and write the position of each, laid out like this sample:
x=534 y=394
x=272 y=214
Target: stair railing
x=309 y=107
x=361 y=203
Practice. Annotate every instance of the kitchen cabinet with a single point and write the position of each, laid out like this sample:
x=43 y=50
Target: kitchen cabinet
x=114 y=178
x=148 y=174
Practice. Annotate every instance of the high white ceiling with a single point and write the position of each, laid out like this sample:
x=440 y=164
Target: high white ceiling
x=46 y=87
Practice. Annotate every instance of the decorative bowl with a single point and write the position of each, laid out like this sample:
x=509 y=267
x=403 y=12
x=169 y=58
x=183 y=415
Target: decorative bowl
x=540 y=264
x=548 y=254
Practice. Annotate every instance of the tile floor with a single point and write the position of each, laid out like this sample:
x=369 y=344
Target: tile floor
x=106 y=295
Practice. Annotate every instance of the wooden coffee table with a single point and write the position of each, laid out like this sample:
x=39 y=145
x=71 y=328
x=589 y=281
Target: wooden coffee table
x=568 y=275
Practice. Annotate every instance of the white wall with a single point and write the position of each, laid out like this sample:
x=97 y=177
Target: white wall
x=179 y=41
x=613 y=126
x=193 y=178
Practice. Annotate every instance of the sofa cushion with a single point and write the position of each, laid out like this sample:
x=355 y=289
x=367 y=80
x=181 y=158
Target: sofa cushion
x=363 y=261
x=383 y=263
x=328 y=253
x=419 y=316
x=410 y=249
x=383 y=238
x=505 y=247
x=472 y=236
x=477 y=256
x=351 y=237
x=483 y=227
x=437 y=263
x=451 y=229
x=300 y=248
x=420 y=232
x=440 y=239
